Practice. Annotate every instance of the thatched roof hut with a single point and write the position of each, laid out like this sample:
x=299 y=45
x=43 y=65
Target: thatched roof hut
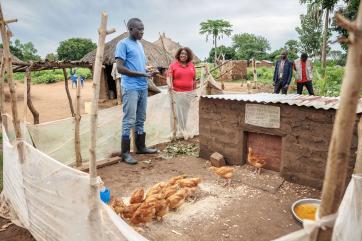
x=171 y=46
x=154 y=54
x=155 y=57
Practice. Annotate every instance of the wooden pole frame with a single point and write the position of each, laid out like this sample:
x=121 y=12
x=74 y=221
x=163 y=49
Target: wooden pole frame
x=77 y=118
x=2 y=93
x=337 y=164
x=29 y=102
x=5 y=35
x=68 y=93
x=94 y=214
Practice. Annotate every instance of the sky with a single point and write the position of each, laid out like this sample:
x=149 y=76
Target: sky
x=47 y=22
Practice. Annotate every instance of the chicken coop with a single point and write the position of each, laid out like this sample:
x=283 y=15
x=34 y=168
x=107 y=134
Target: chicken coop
x=291 y=133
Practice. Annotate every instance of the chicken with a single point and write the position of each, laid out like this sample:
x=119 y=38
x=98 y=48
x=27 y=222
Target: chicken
x=173 y=180
x=118 y=205
x=129 y=210
x=189 y=182
x=177 y=199
x=145 y=213
x=158 y=196
x=224 y=172
x=161 y=206
x=137 y=196
x=168 y=191
x=255 y=160
x=155 y=189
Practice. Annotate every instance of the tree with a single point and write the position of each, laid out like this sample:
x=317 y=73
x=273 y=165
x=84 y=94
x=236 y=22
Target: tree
x=217 y=29
x=292 y=46
x=51 y=57
x=249 y=46
x=75 y=48
x=349 y=11
x=310 y=31
x=327 y=6
x=24 y=51
x=229 y=53
x=275 y=55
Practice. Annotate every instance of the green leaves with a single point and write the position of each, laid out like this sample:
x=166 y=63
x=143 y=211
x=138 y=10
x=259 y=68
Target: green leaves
x=249 y=45
x=75 y=48
x=25 y=51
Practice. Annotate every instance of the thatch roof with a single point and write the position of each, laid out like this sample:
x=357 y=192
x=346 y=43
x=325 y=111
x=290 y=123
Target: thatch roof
x=171 y=46
x=13 y=57
x=154 y=54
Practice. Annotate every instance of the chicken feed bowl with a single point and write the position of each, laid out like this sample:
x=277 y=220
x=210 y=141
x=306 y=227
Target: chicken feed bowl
x=303 y=202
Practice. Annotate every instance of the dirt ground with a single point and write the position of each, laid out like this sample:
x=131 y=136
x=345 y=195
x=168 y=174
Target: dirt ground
x=253 y=208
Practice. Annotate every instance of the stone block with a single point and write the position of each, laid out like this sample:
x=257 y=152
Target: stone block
x=217 y=159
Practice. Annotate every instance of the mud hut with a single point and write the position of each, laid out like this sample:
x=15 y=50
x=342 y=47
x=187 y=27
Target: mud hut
x=234 y=70
x=171 y=46
x=154 y=54
x=290 y=132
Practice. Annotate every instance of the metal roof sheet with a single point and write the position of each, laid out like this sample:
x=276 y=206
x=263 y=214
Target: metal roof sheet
x=318 y=102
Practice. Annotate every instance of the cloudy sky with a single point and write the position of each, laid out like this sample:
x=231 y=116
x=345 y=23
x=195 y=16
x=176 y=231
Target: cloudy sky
x=47 y=22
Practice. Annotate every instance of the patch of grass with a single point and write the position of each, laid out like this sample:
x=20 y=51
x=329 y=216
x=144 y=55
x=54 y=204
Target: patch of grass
x=178 y=148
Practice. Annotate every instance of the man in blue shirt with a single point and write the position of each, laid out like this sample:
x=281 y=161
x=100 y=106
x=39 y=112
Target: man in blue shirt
x=131 y=64
x=282 y=74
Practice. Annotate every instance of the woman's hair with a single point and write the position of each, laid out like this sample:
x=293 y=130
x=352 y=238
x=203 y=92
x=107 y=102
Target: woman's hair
x=188 y=51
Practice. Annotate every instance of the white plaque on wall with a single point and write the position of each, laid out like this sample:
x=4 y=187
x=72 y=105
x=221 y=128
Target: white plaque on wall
x=262 y=115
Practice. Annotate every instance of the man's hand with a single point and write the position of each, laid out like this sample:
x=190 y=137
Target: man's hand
x=151 y=73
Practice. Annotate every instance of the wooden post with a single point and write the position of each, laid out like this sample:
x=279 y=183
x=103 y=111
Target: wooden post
x=255 y=77
x=25 y=99
x=358 y=165
x=336 y=171
x=67 y=91
x=119 y=91
x=173 y=107
x=94 y=214
x=78 y=154
x=28 y=96
x=2 y=94
x=5 y=35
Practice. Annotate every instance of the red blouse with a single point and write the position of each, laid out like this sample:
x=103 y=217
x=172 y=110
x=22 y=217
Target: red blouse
x=183 y=77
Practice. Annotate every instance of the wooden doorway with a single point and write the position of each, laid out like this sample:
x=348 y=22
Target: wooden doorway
x=267 y=146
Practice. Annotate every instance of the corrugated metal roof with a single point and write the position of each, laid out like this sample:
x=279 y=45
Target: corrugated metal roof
x=318 y=102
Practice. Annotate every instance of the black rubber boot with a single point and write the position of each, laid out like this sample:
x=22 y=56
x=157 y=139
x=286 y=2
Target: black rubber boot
x=126 y=155
x=141 y=146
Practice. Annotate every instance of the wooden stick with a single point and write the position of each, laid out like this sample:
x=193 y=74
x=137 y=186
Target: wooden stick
x=222 y=79
x=78 y=154
x=29 y=101
x=336 y=171
x=255 y=77
x=358 y=165
x=67 y=91
x=25 y=99
x=5 y=35
x=119 y=91
x=96 y=86
x=2 y=94
x=173 y=107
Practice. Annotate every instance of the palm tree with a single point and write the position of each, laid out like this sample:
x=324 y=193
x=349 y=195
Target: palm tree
x=327 y=6
x=217 y=29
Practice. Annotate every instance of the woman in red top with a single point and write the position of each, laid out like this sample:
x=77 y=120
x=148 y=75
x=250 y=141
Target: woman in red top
x=182 y=71
x=182 y=83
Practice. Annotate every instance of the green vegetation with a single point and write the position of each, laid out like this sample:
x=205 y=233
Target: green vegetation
x=51 y=76
x=24 y=51
x=75 y=48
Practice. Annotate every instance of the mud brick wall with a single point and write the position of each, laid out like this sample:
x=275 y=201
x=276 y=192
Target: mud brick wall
x=305 y=134
x=234 y=70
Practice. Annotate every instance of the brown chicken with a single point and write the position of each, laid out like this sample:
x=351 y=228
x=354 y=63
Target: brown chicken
x=154 y=197
x=144 y=213
x=137 y=196
x=173 y=180
x=177 y=199
x=189 y=182
x=168 y=191
x=118 y=205
x=155 y=189
x=129 y=210
x=224 y=172
x=255 y=160
x=161 y=206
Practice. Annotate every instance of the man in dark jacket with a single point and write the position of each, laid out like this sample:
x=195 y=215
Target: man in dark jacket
x=282 y=74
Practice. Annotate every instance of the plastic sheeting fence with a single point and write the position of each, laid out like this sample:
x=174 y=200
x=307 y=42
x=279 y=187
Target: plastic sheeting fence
x=52 y=200
x=56 y=138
